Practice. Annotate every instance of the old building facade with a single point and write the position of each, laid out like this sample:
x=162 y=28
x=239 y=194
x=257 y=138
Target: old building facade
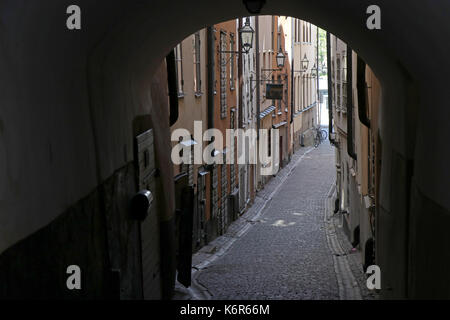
x=191 y=84
x=305 y=83
x=273 y=113
x=355 y=99
x=247 y=115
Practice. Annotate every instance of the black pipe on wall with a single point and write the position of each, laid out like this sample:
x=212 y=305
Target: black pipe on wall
x=292 y=90
x=330 y=90
x=317 y=79
x=258 y=75
x=240 y=113
x=350 y=139
x=172 y=85
x=211 y=69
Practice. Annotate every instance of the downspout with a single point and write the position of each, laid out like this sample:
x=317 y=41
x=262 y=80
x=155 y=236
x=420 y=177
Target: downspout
x=350 y=139
x=317 y=74
x=240 y=113
x=172 y=86
x=211 y=68
x=258 y=75
x=361 y=86
x=292 y=71
x=330 y=91
x=292 y=87
x=210 y=64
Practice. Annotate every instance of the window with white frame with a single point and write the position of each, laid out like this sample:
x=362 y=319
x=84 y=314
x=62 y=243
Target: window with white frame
x=278 y=38
x=197 y=64
x=179 y=69
x=303 y=92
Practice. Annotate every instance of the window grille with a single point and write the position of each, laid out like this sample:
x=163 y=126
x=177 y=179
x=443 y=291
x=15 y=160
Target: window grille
x=223 y=76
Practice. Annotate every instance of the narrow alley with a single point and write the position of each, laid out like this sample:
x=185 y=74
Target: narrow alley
x=192 y=151
x=280 y=248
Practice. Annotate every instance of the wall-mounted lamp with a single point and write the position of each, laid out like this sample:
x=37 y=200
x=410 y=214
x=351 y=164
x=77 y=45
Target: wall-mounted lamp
x=313 y=71
x=280 y=62
x=246 y=33
x=305 y=63
x=280 y=59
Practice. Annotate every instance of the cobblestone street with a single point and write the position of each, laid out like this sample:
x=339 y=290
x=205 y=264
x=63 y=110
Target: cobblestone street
x=279 y=250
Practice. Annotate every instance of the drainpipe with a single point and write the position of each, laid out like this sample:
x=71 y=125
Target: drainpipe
x=211 y=69
x=292 y=72
x=240 y=113
x=330 y=91
x=361 y=85
x=350 y=139
x=172 y=85
x=317 y=73
x=258 y=75
x=292 y=88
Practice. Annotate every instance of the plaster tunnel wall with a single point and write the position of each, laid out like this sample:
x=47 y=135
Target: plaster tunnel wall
x=68 y=100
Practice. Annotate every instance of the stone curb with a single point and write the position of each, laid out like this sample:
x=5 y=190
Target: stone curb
x=347 y=284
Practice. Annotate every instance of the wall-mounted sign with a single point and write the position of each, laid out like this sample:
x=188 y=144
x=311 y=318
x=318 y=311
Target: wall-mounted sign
x=274 y=91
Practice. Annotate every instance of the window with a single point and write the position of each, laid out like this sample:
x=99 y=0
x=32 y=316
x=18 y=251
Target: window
x=273 y=33
x=223 y=76
x=306 y=32
x=304 y=92
x=279 y=101
x=303 y=32
x=308 y=90
x=263 y=60
x=309 y=34
x=251 y=93
x=338 y=68
x=273 y=81
x=297 y=94
x=285 y=99
x=338 y=83
x=295 y=30
x=344 y=82
x=179 y=69
x=344 y=97
x=232 y=119
x=269 y=153
x=344 y=66
x=197 y=66
x=279 y=38
x=232 y=66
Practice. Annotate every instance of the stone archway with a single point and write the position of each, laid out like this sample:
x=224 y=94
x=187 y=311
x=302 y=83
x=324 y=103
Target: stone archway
x=89 y=112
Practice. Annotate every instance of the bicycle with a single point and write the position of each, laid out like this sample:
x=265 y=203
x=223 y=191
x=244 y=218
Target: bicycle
x=319 y=136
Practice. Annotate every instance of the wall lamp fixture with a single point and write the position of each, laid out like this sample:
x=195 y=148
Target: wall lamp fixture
x=246 y=34
x=304 y=63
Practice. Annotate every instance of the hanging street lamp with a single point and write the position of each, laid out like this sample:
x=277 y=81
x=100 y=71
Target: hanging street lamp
x=313 y=71
x=246 y=33
x=305 y=63
x=280 y=59
x=246 y=36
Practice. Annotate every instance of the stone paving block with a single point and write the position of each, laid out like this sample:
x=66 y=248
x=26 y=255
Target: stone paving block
x=278 y=248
